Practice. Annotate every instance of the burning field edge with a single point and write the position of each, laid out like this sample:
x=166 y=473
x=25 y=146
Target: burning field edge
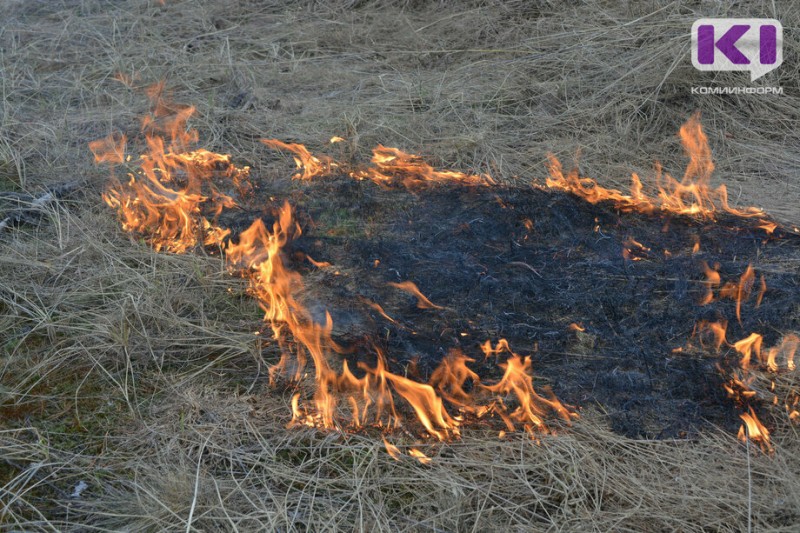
x=180 y=198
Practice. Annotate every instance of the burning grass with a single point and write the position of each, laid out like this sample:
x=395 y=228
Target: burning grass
x=134 y=385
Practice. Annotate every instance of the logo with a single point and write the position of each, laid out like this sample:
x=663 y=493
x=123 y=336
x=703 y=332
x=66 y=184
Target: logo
x=755 y=45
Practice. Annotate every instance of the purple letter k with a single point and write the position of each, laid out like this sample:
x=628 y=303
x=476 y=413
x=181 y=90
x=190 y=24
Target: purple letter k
x=726 y=44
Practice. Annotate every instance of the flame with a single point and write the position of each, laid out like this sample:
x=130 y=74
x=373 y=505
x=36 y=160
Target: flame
x=451 y=375
x=633 y=250
x=391 y=165
x=696 y=245
x=517 y=380
x=712 y=280
x=744 y=288
x=392 y=450
x=419 y=456
x=738 y=385
x=412 y=289
x=762 y=290
x=310 y=166
x=692 y=195
x=388 y=166
x=716 y=330
x=747 y=347
x=110 y=149
x=278 y=289
x=501 y=347
x=318 y=264
x=427 y=405
x=162 y=200
x=174 y=201
x=785 y=351
x=377 y=307
x=754 y=430
x=739 y=292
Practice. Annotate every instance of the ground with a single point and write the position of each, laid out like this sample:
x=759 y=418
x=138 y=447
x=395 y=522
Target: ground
x=134 y=394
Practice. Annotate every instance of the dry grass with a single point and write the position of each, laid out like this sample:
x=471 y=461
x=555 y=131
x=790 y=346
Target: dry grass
x=137 y=373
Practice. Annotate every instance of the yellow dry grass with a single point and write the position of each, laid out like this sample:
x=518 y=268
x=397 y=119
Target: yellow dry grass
x=133 y=393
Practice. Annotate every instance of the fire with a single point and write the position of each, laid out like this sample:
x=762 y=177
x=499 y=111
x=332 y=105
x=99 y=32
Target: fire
x=371 y=399
x=715 y=330
x=389 y=166
x=785 y=351
x=712 y=281
x=310 y=165
x=740 y=380
x=747 y=347
x=392 y=450
x=411 y=288
x=377 y=307
x=174 y=200
x=451 y=376
x=739 y=292
x=162 y=200
x=419 y=456
x=633 y=250
x=762 y=290
x=692 y=195
x=501 y=347
x=754 y=430
x=517 y=380
x=110 y=149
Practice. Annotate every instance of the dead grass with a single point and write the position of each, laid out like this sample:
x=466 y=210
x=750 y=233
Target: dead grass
x=138 y=373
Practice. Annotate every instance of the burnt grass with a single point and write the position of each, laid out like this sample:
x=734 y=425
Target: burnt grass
x=522 y=263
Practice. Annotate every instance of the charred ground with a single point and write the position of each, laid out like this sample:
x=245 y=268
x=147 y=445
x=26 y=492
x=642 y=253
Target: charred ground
x=524 y=264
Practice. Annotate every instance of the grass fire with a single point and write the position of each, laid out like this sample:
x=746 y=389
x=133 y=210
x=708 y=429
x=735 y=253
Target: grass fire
x=391 y=267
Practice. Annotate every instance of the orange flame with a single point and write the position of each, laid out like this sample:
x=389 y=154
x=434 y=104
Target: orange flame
x=692 y=195
x=532 y=407
x=391 y=165
x=278 y=290
x=110 y=149
x=747 y=347
x=388 y=166
x=500 y=347
x=412 y=289
x=716 y=330
x=762 y=290
x=712 y=280
x=167 y=198
x=419 y=456
x=744 y=289
x=696 y=245
x=633 y=250
x=739 y=292
x=451 y=375
x=392 y=450
x=310 y=165
x=784 y=351
x=754 y=430
x=162 y=200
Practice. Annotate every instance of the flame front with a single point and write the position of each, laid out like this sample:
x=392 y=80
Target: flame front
x=692 y=195
x=176 y=194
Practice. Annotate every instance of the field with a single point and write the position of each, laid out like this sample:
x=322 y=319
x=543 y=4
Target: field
x=134 y=392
